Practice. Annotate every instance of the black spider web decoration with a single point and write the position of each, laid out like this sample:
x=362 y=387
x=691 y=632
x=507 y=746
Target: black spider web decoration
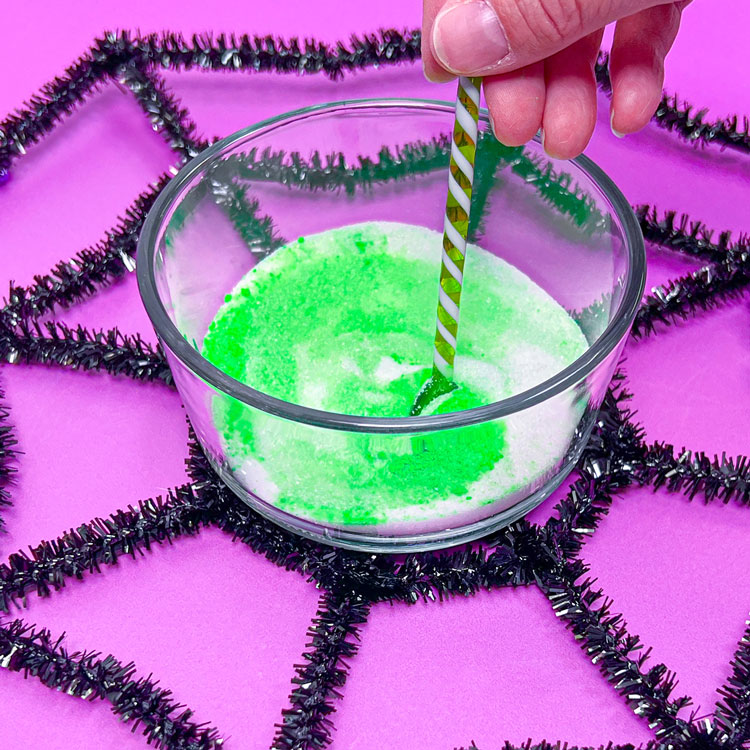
x=523 y=554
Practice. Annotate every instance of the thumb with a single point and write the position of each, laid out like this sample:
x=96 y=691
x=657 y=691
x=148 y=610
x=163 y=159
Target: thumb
x=481 y=37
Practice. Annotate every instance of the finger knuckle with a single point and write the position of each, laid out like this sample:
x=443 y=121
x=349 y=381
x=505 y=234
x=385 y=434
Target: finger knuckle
x=553 y=21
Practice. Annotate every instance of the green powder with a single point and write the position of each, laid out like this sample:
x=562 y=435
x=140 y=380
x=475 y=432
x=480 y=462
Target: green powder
x=344 y=321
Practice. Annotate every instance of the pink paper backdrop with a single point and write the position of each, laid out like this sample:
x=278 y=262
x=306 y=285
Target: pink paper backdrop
x=493 y=667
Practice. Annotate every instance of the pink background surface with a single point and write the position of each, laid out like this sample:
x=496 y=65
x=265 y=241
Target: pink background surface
x=490 y=668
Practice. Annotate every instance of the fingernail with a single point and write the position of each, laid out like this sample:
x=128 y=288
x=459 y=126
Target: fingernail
x=468 y=37
x=612 y=127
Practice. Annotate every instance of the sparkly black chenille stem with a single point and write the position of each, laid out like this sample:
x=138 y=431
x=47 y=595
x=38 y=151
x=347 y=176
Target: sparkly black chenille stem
x=257 y=231
x=79 y=348
x=332 y=172
x=97 y=544
x=173 y=122
x=732 y=714
x=704 y=289
x=687 y=121
x=107 y=56
x=92 y=546
x=334 y=636
x=376 y=577
x=673 y=235
x=524 y=554
x=605 y=468
x=614 y=458
x=559 y=190
x=603 y=637
x=164 y=723
x=386 y=47
x=693 y=473
x=89 y=270
x=530 y=745
x=726 y=277
x=166 y=114
x=688 y=236
x=136 y=369
x=8 y=454
x=171 y=528
x=207 y=501
x=262 y=54
x=58 y=98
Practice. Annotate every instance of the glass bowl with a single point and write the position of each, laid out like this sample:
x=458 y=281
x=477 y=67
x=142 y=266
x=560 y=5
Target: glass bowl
x=386 y=483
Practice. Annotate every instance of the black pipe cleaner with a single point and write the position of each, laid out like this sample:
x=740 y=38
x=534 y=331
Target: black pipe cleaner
x=605 y=468
x=687 y=236
x=704 y=289
x=616 y=456
x=139 y=701
x=733 y=710
x=95 y=545
x=30 y=123
x=263 y=54
x=427 y=576
x=165 y=113
x=78 y=348
x=530 y=745
x=685 y=121
x=618 y=655
x=8 y=455
x=333 y=641
x=693 y=473
x=89 y=270
x=109 y=54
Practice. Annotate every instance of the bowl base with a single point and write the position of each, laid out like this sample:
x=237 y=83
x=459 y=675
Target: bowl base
x=424 y=542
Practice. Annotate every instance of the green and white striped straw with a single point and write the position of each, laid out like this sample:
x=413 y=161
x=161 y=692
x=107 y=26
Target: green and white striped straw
x=455 y=230
x=456 y=224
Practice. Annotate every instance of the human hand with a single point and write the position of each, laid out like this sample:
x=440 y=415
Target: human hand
x=537 y=58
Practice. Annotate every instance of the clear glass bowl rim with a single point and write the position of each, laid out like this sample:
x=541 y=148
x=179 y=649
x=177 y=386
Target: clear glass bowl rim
x=596 y=353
